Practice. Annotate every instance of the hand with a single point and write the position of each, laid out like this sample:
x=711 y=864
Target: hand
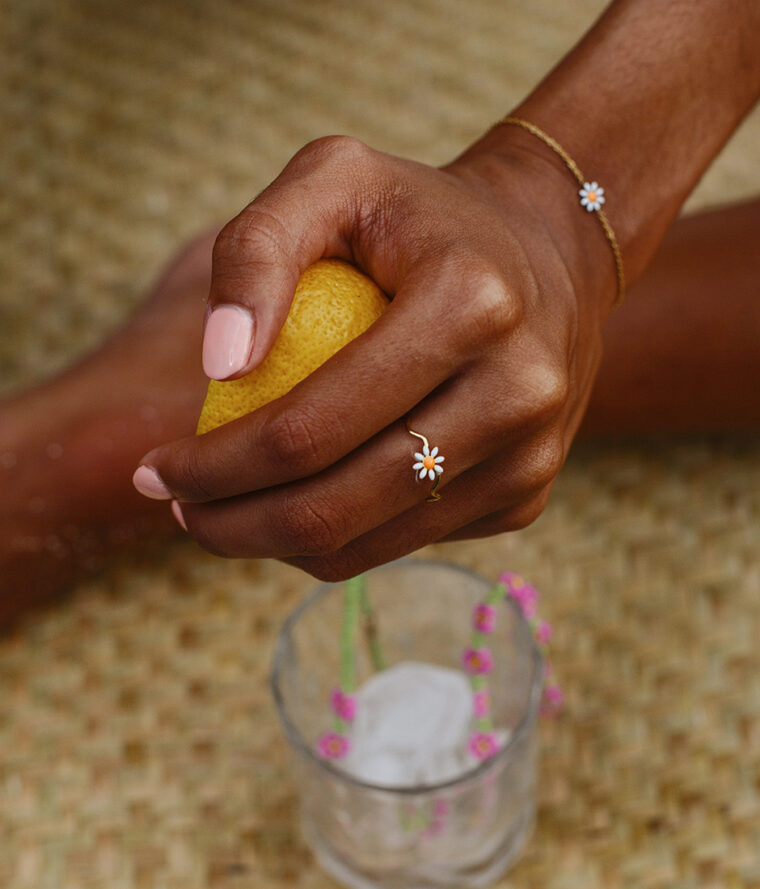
x=499 y=285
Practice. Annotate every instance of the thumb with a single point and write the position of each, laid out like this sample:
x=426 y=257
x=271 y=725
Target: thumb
x=305 y=214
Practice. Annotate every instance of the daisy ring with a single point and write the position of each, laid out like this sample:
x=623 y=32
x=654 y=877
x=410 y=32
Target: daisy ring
x=428 y=464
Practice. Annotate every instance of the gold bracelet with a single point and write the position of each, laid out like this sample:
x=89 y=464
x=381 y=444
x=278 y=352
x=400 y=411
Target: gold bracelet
x=591 y=193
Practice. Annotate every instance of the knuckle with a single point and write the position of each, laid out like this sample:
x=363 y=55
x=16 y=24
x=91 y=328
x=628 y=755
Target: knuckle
x=491 y=310
x=549 y=390
x=549 y=459
x=330 y=570
x=190 y=475
x=256 y=236
x=206 y=534
x=292 y=441
x=308 y=528
x=337 y=566
x=381 y=214
x=525 y=514
x=328 y=149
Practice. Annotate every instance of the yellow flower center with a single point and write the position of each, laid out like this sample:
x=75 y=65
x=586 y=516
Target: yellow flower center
x=591 y=196
x=428 y=462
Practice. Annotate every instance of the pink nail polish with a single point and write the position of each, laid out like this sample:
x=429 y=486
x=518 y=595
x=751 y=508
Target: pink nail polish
x=177 y=510
x=148 y=482
x=227 y=341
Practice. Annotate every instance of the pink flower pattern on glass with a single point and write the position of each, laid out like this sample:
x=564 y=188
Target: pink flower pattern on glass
x=477 y=661
x=483 y=745
x=511 y=580
x=481 y=703
x=543 y=632
x=484 y=618
x=343 y=705
x=553 y=700
x=441 y=807
x=333 y=746
x=527 y=598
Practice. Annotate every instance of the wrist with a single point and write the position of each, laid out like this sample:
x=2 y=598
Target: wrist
x=523 y=172
x=645 y=101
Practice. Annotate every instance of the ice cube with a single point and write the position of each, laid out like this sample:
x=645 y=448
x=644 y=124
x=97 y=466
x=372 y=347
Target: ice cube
x=386 y=768
x=412 y=726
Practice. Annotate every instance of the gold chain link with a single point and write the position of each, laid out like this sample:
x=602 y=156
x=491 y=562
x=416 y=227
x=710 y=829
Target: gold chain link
x=581 y=179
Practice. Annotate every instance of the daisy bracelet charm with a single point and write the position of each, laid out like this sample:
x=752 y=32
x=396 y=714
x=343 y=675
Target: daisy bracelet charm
x=592 y=196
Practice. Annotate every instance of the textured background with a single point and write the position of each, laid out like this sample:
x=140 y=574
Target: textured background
x=149 y=756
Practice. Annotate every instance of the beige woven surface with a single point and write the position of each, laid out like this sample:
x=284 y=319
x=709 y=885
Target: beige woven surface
x=138 y=745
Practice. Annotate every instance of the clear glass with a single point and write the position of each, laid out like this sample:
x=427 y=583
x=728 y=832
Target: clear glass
x=462 y=833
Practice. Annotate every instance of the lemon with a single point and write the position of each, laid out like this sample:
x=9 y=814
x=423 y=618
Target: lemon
x=333 y=304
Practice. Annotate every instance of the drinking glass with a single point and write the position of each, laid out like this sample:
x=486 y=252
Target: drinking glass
x=461 y=833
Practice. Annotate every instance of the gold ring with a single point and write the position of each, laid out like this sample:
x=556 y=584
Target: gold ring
x=428 y=463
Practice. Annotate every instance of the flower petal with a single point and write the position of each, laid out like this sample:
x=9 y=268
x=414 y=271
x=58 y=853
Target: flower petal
x=439 y=459
x=426 y=450
x=431 y=474
x=417 y=465
x=423 y=473
x=600 y=190
x=418 y=456
x=438 y=469
x=434 y=452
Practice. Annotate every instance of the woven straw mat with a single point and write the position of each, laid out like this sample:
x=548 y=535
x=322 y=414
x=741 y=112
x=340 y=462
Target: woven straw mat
x=138 y=744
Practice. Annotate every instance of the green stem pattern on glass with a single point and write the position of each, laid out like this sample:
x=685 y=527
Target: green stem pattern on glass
x=370 y=629
x=496 y=594
x=351 y=607
x=356 y=604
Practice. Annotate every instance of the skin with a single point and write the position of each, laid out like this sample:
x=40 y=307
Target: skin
x=500 y=287
x=681 y=354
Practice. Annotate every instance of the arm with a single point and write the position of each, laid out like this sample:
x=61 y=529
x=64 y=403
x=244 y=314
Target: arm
x=644 y=103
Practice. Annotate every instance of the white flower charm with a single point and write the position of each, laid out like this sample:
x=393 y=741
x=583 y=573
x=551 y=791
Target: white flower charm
x=428 y=463
x=592 y=196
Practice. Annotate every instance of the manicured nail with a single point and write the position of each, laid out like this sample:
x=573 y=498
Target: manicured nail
x=177 y=510
x=227 y=341
x=148 y=482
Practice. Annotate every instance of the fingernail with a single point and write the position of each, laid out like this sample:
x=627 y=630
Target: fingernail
x=227 y=341
x=148 y=482
x=177 y=510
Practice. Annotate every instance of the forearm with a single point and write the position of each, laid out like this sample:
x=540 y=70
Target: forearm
x=644 y=103
x=701 y=287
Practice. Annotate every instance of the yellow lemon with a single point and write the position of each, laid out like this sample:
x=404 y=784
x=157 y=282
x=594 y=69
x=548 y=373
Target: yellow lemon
x=333 y=304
